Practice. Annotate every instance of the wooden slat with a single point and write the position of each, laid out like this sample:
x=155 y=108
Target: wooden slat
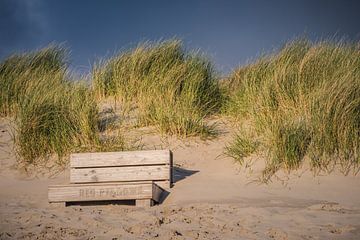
x=113 y=159
x=112 y=174
x=100 y=192
x=164 y=184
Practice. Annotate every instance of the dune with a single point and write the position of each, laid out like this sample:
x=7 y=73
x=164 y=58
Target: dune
x=212 y=198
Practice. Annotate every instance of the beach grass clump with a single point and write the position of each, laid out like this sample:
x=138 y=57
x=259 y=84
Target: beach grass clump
x=53 y=114
x=170 y=88
x=242 y=147
x=56 y=122
x=303 y=101
x=20 y=72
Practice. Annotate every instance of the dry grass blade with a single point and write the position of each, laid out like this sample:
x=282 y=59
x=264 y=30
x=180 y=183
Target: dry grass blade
x=302 y=101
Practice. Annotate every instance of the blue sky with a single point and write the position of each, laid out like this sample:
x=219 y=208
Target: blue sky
x=230 y=32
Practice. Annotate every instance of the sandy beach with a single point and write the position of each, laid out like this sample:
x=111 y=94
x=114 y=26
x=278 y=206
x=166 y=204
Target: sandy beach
x=179 y=120
x=212 y=198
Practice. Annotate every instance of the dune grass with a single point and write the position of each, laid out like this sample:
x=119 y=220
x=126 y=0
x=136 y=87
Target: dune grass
x=52 y=113
x=169 y=87
x=19 y=74
x=242 y=147
x=303 y=102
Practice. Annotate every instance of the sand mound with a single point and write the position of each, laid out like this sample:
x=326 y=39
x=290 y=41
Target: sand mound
x=212 y=199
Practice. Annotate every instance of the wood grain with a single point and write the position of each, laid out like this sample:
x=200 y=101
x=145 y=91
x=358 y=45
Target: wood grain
x=164 y=184
x=98 y=192
x=113 y=174
x=113 y=159
x=139 y=175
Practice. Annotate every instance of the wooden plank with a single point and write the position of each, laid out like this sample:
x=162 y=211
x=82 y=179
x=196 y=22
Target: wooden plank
x=99 y=192
x=112 y=174
x=164 y=184
x=144 y=203
x=113 y=159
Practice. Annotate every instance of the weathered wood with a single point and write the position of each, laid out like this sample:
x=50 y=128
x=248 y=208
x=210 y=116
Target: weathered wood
x=164 y=184
x=113 y=159
x=112 y=174
x=137 y=175
x=144 y=202
x=103 y=191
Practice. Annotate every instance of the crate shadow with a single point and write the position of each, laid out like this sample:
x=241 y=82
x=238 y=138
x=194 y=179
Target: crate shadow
x=178 y=175
x=182 y=173
x=102 y=203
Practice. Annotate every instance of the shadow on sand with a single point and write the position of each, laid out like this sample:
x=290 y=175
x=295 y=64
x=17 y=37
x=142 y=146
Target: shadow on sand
x=178 y=175
x=182 y=173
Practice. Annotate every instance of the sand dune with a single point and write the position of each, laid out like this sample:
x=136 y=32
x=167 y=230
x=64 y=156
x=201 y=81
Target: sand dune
x=212 y=199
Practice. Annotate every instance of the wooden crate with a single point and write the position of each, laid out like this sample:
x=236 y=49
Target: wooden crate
x=137 y=175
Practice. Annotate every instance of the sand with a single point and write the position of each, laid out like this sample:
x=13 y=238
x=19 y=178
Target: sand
x=213 y=198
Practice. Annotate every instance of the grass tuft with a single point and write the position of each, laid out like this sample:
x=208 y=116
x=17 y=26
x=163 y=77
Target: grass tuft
x=170 y=88
x=52 y=113
x=242 y=147
x=303 y=101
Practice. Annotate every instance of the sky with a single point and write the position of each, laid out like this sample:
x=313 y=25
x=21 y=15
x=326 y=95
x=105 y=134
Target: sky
x=230 y=32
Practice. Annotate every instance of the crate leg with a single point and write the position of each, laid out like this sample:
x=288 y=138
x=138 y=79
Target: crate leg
x=144 y=202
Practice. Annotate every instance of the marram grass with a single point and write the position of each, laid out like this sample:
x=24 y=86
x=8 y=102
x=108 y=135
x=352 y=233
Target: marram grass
x=52 y=114
x=170 y=88
x=304 y=102
x=19 y=73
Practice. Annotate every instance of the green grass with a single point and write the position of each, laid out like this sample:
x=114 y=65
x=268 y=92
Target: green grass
x=59 y=121
x=52 y=113
x=303 y=101
x=170 y=88
x=19 y=74
x=242 y=147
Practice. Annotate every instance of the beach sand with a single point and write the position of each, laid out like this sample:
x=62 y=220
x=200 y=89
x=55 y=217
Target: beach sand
x=212 y=198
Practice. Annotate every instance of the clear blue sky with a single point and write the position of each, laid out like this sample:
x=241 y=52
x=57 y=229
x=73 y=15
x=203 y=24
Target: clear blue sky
x=230 y=32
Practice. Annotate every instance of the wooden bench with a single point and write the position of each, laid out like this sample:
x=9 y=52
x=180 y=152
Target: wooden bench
x=135 y=175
